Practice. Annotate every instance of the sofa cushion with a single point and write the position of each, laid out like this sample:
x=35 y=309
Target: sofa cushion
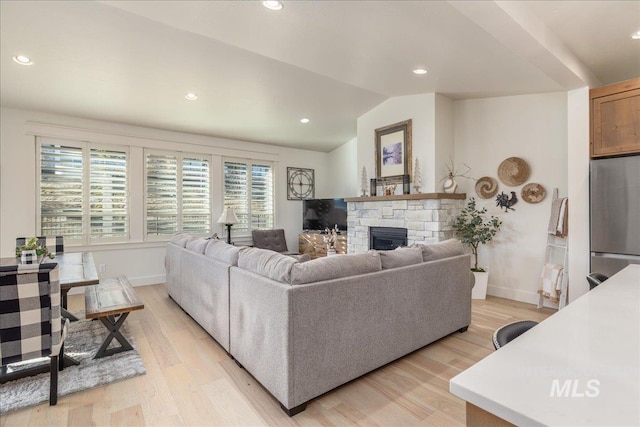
x=180 y=239
x=400 y=257
x=222 y=251
x=300 y=257
x=333 y=267
x=444 y=249
x=197 y=244
x=267 y=263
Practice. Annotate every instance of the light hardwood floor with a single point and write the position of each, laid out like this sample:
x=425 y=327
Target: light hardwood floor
x=190 y=380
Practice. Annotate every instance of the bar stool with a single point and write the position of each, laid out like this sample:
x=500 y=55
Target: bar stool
x=595 y=279
x=511 y=331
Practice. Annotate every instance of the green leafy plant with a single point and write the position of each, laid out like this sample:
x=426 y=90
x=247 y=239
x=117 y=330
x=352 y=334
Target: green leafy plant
x=33 y=245
x=472 y=229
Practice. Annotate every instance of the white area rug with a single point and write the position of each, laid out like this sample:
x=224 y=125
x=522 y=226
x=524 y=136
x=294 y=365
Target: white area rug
x=83 y=340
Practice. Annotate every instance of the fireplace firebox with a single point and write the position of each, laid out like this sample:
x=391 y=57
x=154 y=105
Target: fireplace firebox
x=387 y=238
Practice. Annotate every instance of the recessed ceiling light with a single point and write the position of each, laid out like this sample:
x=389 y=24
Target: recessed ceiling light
x=273 y=4
x=636 y=35
x=23 y=60
x=191 y=96
x=304 y=120
x=419 y=71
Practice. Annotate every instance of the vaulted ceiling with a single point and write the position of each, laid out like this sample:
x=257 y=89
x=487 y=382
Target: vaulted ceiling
x=257 y=72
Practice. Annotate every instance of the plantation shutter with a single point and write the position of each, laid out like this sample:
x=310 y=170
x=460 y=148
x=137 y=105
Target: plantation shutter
x=261 y=196
x=196 y=206
x=248 y=189
x=236 y=192
x=108 y=195
x=61 y=191
x=161 y=194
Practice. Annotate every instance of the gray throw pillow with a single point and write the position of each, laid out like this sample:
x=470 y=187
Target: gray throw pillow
x=197 y=244
x=180 y=239
x=333 y=267
x=267 y=263
x=300 y=257
x=222 y=251
x=400 y=257
x=444 y=249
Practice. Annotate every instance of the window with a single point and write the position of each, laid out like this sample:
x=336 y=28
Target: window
x=248 y=189
x=178 y=197
x=83 y=191
x=108 y=194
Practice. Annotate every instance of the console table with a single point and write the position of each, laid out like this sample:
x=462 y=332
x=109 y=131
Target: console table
x=314 y=245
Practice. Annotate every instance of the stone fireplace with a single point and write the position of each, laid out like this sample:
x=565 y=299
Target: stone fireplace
x=427 y=218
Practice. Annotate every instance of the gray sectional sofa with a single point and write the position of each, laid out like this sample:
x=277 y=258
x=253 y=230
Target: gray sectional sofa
x=304 y=328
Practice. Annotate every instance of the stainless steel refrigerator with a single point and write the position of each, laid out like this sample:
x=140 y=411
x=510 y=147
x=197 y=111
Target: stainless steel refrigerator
x=614 y=213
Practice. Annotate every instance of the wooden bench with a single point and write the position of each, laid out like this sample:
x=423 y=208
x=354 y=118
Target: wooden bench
x=111 y=301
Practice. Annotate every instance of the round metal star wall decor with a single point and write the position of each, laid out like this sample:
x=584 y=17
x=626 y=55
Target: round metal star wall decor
x=300 y=183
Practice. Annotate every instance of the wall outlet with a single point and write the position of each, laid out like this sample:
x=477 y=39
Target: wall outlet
x=102 y=268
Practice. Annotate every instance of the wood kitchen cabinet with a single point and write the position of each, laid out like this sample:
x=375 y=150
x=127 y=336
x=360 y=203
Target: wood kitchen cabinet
x=615 y=119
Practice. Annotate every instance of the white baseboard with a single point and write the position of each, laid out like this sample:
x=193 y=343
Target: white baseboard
x=516 y=295
x=147 y=280
x=135 y=281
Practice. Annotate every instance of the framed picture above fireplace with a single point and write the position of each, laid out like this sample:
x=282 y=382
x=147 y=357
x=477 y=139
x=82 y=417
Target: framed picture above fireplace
x=393 y=151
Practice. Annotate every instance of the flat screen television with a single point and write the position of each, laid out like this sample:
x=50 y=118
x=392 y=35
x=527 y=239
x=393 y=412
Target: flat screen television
x=319 y=214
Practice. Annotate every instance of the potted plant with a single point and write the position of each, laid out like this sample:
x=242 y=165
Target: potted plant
x=473 y=229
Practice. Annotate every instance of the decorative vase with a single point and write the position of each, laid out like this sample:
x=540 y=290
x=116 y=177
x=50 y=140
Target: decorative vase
x=479 y=290
x=331 y=251
x=28 y=257
x=450 y=185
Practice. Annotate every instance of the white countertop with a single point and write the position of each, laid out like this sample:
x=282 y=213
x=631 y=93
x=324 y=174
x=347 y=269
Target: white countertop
x=591 y=347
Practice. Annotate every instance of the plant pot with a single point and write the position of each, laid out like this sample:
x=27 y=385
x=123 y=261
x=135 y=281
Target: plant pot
x=479 y=290
x=331 y=252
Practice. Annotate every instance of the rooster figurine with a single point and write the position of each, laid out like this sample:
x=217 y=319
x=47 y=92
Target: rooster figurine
x=504 y=201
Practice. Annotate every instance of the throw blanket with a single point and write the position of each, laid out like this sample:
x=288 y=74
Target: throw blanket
x=559 y=220
x=551 y=281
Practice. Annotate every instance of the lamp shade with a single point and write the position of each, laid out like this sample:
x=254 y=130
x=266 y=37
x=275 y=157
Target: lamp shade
x=228 y=217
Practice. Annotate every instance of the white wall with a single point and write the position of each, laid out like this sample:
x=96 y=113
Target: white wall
x=533 y=127
x=444 y=152
x=343 y=179
x=142 y=262
x=578 y=171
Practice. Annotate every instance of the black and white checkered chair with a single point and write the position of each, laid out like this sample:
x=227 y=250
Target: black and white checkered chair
x=31 y=325
x=55 y=244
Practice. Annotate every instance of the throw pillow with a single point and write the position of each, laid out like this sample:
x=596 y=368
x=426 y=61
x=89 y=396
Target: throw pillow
x=267 y=263
x=180 y=239
x=197 y=244
x=300 y=258
x=222 y=251
x=400 y=257
x=444 y=249
x=333 y=267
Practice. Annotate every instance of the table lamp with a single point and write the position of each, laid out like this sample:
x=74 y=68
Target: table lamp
x=228 y=218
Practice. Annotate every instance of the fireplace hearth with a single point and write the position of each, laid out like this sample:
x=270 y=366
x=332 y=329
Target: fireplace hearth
x=387 y=238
